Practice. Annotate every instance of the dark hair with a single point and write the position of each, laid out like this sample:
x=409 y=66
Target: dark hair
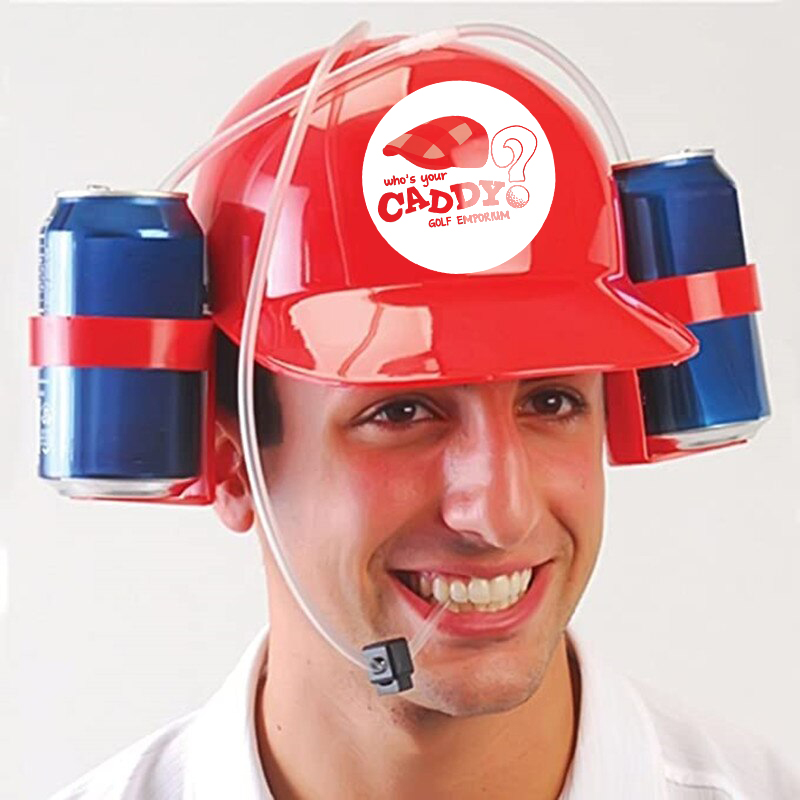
x=269 y=422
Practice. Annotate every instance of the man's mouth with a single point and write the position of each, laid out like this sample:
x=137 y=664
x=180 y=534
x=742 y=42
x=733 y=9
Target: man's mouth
x=469 y=594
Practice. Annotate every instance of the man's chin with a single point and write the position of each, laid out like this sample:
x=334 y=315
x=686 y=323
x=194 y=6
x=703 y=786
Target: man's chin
x=490 y=689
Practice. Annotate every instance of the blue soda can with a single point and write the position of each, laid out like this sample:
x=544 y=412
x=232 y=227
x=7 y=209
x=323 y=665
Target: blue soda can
x=107 y=432
x=681 y=216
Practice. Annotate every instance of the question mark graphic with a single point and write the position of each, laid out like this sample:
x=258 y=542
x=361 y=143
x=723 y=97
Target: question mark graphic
x=521 y=142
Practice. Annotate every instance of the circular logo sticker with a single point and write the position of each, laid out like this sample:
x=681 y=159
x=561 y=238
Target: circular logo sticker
x=458 y=177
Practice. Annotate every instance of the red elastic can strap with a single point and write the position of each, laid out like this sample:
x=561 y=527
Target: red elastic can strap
x=690 y=299
x=135 y=342
x=704 y=296
x=138 y=343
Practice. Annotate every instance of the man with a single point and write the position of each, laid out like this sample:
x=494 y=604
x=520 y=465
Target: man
x=428 y=437
x=478 y=474
x=456 y=480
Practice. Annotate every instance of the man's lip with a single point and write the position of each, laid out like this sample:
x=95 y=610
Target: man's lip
x=483 y=624
x=467 y=571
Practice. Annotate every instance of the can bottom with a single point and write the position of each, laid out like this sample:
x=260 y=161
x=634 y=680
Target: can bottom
x=696 y=438
x=115 y=488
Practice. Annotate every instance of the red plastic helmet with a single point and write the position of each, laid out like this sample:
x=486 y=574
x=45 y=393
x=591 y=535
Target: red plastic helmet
x=344 y=305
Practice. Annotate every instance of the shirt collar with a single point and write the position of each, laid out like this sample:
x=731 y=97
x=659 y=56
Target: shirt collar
x=222 y=758
x=616 y=753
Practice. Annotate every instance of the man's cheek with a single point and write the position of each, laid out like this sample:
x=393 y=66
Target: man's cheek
x=388 y=498
x=575 y=469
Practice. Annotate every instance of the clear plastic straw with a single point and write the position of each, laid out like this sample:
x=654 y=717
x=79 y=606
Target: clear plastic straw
x=249 y=334
x=250 y=328
x=572 y=70
x=291 y=100
x=426 y=631
x=411 y=44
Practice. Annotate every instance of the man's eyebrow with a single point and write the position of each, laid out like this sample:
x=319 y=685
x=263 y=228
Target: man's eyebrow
x=543 y=378
x=523 y=381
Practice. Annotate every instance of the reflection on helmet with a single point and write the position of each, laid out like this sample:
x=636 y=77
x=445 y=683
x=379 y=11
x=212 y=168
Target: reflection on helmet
x=343 y=305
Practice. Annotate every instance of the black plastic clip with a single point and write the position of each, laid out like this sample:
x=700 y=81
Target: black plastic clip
x=390 y=665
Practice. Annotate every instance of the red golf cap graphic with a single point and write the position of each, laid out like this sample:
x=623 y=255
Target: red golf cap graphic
x=442 y=143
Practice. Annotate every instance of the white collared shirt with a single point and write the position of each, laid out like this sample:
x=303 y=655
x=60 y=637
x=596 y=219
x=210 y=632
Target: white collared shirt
x=632 y=744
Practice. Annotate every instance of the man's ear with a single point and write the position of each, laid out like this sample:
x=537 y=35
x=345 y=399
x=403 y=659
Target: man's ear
x=232 y=498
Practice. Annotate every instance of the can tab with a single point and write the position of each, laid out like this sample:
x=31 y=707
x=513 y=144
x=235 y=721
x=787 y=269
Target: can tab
x=389 y=664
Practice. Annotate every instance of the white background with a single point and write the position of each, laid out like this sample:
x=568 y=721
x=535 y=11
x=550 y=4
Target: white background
x=116 y=619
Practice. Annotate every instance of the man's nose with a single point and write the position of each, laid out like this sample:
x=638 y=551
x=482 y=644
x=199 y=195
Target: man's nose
x=490 y=487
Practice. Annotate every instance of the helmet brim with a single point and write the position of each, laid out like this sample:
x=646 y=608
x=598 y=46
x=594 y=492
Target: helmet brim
x=462 y=332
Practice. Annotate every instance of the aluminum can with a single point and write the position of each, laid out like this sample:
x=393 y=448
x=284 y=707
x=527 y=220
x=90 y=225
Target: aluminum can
x=681 y=216
x=108 y=432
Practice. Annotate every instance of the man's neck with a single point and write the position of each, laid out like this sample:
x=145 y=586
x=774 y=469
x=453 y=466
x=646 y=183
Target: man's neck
x=328 y=734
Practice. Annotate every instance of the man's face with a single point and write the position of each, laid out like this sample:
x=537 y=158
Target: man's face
x=377 y=491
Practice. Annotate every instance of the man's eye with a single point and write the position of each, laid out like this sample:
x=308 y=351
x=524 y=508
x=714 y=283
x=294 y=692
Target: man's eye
x=400 y=412
x=556 y=403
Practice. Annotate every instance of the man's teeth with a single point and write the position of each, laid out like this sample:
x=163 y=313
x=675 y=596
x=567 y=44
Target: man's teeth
x=475 y=594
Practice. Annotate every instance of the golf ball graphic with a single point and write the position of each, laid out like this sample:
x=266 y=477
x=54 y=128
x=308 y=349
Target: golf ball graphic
x=517 y=196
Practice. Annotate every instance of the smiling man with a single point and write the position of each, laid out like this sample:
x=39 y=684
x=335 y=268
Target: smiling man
x=429 y=435
x=479 y=492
